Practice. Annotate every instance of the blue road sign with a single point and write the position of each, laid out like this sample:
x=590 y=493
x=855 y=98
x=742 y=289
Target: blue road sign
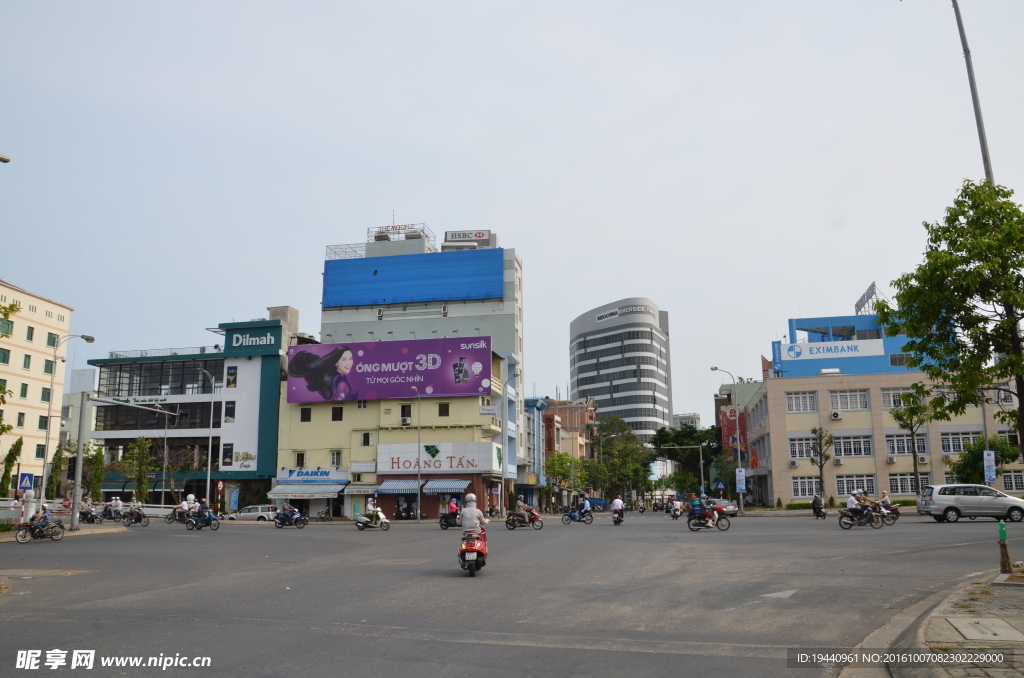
x=25 y=481
x=700 y=488
x=233 y=499
x=376 y=494
x=719 y=485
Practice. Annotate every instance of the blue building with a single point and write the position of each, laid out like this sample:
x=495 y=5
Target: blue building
x=851 y=344
x=531 y=467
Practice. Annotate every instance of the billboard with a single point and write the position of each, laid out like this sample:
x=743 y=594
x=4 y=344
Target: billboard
x=734 y=436
x=832 y=349
x=386 y=370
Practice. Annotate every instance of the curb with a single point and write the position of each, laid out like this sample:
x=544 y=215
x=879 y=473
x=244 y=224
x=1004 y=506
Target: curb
x=77 y=533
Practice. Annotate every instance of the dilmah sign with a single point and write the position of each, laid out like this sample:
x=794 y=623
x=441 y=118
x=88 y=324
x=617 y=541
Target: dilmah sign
x=438 y=458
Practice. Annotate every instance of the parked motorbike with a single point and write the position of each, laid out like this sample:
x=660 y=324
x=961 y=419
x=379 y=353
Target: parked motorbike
x=282 y=519
x=135 y=516
x=698 y=521
x=201 y=520
x=473 y=551
x=450 y=520
x=847 y=519
x=493 y=512
x=618 y=515
x=572 y=516
x=27 y=532
x=513 y=521
x=364 y=521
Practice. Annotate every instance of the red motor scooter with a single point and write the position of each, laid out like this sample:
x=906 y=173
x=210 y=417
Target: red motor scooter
x=473 y=551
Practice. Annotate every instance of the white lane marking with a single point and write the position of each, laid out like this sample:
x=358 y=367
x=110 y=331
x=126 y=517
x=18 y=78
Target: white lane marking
x=780 y=594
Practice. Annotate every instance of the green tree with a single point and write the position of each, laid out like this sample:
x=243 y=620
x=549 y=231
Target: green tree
x=962 y=308
x=914 y=413
x=97 y=471
x=596 y=474
x=695 y=444
x=969 y=466
x=565 y=471
x=626 y=458
x=821 y=441
x=56 y=468
x=140 y=462
x=9 y=461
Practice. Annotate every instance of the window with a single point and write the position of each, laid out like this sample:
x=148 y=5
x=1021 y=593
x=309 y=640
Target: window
x=31 y=308
x=229 y=412
x=43 y=421
x=367 y=439
x=51 y=339
x=47 y=367
x=868 y=334
x=443 y=409
x=227 y=455
x=5 y=356
x=901 y=444
x=847 y=484
x=801 y=448
x=335 y=457
x=406 y=410
x=40 y=451
x=49 y=314
x=843 y=401
x=3 y=386
x=306 y=414
x=21 y=420
x=806 y=486
x=360 y=404
x=23 y=391
x=6 y=327
x=906 y=483
x=891 y=397
x=898 y=359
x=300 y=459
x=859 y=446
x=1005 y=396
x=951 y=479
x=30 y=333
x=955 y=442
x=1013 y=481
x=60 y=318
x=803 y=401
x=65 y=411
x=337 y=413
x=26 y=362
x=45 y=396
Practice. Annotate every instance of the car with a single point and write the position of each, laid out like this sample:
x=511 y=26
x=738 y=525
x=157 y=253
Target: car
x=257 y=512
x=949 y=503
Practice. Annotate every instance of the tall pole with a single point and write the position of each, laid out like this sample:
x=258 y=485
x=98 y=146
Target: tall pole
x=735 y=401
x=419 y=451
x=209 y=448
x=49 y=405
x=974 y=96
x=83 y=417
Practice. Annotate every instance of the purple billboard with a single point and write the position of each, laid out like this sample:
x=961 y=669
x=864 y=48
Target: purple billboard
x=385 y=370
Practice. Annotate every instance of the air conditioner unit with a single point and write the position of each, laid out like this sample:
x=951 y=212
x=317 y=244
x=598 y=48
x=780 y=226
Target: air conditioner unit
x=836 y=416
x=380 y=314
x=406 y=421
x=838 y=461
x=947 y=456
x=922 y=459
x=891 y=459
x=793 y=463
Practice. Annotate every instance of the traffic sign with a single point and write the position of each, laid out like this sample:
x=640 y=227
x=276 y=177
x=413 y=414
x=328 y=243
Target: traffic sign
x=719 y=485
x=700 y=488
x=66 y=503
x=220 y=485
x=25 y=482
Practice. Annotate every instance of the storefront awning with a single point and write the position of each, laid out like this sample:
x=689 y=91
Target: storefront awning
x=305 y=491
x=360 y=489
x=445 y=486
x=398 y=487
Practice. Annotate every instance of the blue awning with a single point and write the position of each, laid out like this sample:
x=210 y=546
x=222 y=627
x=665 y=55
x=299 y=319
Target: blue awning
x=398 y=487
x=445 y=486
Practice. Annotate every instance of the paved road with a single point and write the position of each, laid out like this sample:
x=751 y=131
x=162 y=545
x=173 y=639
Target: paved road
x=569 y=601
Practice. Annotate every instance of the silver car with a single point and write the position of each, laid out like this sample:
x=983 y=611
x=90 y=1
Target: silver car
x=259 y=512
x=948 y=503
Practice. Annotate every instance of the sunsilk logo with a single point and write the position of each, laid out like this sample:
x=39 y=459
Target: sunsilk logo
x=294 y=473
x=479 y=344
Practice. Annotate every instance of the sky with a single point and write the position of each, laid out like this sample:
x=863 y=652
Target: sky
x=177 y=165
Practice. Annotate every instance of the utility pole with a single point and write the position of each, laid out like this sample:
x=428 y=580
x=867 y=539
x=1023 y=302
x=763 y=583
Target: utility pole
x=986 y=161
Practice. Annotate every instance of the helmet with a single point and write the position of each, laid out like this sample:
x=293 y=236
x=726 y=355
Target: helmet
x=703 y=496
x=470 y=497
x=203 y=500
x=618 y=496
x=520 y=496
x=46 y=506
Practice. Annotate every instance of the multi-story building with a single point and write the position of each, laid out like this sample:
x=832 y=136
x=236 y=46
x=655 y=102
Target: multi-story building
x=570 y=417
x=688 y=419
x=33 y=371
x=619 y=356
x=531 y=474
x=844 y=377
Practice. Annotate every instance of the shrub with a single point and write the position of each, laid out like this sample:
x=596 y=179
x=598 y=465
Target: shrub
x=778 y=502
x=797 y=505
x=905 y=502
x=831 y=501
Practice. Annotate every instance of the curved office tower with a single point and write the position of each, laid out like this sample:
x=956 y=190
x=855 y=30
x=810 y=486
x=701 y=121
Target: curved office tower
x=619 y=356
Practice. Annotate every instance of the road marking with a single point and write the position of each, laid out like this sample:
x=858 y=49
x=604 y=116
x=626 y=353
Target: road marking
x=780 y=594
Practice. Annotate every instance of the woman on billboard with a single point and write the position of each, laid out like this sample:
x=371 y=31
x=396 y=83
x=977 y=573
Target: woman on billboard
x=326 y=375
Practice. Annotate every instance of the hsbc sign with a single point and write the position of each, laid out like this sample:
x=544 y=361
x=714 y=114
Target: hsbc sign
x=466 y=236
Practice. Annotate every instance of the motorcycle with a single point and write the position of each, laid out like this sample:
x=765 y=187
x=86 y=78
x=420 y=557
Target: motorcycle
x=493 y=512
x=819 y=512
x=642 y=509
x=618 y=515
x=135 y=516
x=87 y=516
x=27 y=532
x=848 y=520
x=573 y=517
x=676 y=513
x=297 y=519
x=177 y=515
x=201 y=520
x=364 y=521
x=889 y=516
x=698 y=521
x=450 y=520
x=473 y=551
x=513 y=521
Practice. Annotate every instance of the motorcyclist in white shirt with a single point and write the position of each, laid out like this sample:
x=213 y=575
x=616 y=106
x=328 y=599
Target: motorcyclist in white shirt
x=617 y=505
x=473 y=518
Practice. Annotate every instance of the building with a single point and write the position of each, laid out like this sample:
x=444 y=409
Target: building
x=619 y=356
x=568 y=417
x=243 y=400
x=844 y=377
x=32 y=369
x=688 y=419
x=531 y=474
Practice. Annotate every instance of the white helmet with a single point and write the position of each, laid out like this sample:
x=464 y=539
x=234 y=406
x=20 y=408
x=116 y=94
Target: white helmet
x=470 y=497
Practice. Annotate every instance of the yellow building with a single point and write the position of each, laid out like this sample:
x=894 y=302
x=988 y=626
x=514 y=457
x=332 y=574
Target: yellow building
x=32 y=371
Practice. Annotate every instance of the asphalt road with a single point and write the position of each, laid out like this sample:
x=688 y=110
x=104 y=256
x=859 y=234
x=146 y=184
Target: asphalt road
x=648 y=597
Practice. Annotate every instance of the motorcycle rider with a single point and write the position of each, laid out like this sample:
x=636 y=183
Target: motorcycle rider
x=473 y=518
x=453 y=505
x=583 y=507
x=617 y=505
x=708 y=509
x=523 y=510
x=371 y=510
x=289 y=510
x=41 y=518
x=181 y=509
x=816 y=505
x=677 y=507
x=117 y=506
x=857 y=507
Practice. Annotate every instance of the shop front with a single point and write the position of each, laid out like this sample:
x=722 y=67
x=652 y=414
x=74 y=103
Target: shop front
x=311 y=490
x=356 y=496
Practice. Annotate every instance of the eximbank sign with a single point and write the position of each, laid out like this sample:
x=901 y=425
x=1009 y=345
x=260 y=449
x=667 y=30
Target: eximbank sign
x=826 y=349
x=253 y=340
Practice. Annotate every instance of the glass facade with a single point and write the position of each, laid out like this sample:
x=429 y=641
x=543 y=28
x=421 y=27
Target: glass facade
x=178 y=377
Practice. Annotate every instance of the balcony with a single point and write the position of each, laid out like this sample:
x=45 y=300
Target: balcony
x=163 y=352
x=496 y=386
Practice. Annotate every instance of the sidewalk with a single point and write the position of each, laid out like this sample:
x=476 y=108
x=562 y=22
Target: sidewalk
x=84 y=530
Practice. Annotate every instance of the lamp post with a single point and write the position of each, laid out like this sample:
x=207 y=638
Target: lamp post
x=49 y=405
x=209 y=447
x=985 y=160
x=419 y=452
x=735 y=398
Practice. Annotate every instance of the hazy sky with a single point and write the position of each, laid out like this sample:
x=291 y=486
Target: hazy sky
x=176 y=165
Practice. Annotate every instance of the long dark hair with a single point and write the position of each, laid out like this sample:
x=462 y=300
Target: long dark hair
x=318 y=371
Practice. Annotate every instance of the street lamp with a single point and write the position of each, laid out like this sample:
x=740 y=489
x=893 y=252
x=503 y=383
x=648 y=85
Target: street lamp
x=49 y=405
x=419 y=449
x=985 y=159
x=4 y=159
x=209 y=447
x=735 y=400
